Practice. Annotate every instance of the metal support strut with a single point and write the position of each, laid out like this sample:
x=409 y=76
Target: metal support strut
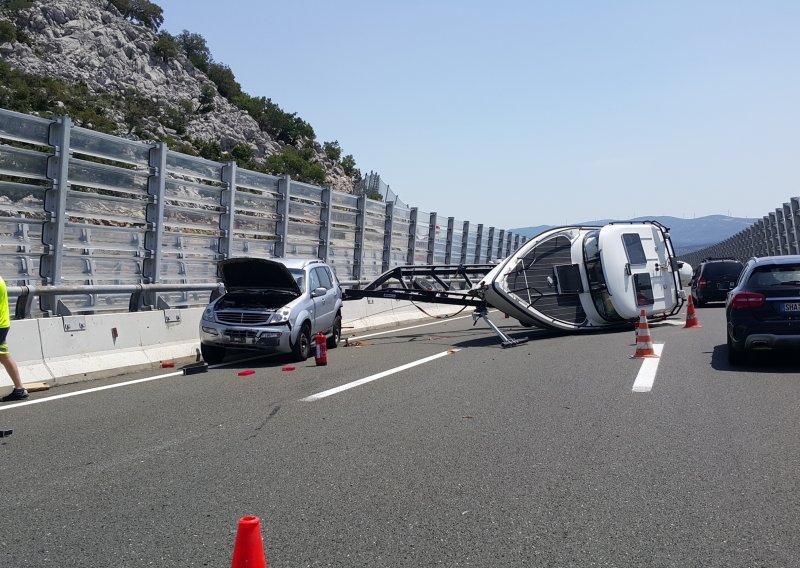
x=506 y=341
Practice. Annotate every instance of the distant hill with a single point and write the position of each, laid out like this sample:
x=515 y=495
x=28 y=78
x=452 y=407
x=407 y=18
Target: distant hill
x=687 y=234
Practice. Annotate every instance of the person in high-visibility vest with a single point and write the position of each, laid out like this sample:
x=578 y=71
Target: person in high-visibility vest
x=6 y=360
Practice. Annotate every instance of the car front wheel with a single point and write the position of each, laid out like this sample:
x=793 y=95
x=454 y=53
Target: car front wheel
x=302 y=347
x=212 y=354
x=336 y=334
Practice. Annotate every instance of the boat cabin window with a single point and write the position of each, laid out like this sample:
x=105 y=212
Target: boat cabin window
x=644 y=289
x=634 y=248
x=597 y=282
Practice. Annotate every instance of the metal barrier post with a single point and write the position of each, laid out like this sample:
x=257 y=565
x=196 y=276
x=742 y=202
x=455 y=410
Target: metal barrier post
x=448 y=251
x=479 y=244
x=464 y=243
x=361 y=224
x=412 y=235
x=325 y=224
x=489 y=245
x=282 y=228
x=154 y=236
x=55 y=204
x=794 y=206
x=388 y=229
x=227 y=219
x=431 y=237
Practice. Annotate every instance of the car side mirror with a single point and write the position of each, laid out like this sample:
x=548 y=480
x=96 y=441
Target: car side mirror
x=317 y=292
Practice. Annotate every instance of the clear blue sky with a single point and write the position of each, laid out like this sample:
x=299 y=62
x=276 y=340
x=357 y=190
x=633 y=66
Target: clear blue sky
x=520 y=113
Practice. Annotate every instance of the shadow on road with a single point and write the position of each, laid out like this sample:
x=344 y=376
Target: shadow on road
x=757 y=362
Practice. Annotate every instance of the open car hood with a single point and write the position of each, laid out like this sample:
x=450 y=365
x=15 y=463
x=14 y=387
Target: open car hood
x=256 y=273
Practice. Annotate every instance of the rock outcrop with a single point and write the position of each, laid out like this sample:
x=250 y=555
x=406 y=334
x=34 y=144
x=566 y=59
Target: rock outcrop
x=90 y=42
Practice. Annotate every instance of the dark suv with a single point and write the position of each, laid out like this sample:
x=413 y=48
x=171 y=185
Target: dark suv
x=763 y=311
x=713 y=279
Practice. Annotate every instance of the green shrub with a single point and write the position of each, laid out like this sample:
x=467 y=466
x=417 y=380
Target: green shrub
x=294 y=162
x=8 y=32
x=165 y=48
x=332 y=150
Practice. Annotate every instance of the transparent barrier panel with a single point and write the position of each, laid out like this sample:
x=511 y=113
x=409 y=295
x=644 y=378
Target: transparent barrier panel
x=109 y=178
x=256 y=225
x=88 y=142
x=304 y=211
x=191 y=218
x=89 y=270
x=100 y=237
x=246 y=179
x=95 y=207
x=196 y=193
x=191 y=246
x=24 y=128
x=252 y=247
x=375 y=207
x=341 y=217
x=23 y=163
x=255 y=203
x=301 y=250
x=17 y=199
x=303 y=231
x=344 y=200
x=376 y=223
x=305 y=191
x=192 y=167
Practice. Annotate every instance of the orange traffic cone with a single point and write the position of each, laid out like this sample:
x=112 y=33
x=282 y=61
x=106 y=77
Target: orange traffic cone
x=644 y=345
x=248 y=551
x=691 y=316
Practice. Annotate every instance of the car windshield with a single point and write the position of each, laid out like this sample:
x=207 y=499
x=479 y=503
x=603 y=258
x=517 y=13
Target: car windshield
x=722 y=270
x=299 y=277
x=783 y=275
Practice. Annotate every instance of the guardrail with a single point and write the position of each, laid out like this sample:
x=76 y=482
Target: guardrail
x=776 y=234
x=79 y=207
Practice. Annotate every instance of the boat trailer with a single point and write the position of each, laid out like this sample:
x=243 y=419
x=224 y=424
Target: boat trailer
x=449 y=284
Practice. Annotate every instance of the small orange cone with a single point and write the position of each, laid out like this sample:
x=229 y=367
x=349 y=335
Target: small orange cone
x=644 y=344
x=691 y=316
x=248 y=551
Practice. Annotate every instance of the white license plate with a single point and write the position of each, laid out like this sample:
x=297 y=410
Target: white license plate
x=725 y=286
x=791 y=307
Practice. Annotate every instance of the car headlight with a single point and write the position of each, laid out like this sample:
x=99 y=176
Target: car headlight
x=281 y=316
x=208 y=314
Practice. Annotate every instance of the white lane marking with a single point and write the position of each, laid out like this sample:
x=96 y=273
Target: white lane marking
x=647 y=374
x=116 y=385
x=395 y=330
x=375 y=377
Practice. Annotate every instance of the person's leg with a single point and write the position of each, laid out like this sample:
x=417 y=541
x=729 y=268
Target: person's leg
x=11 y=368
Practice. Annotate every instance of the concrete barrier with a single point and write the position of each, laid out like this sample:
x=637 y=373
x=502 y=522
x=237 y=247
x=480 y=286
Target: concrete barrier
x=59 y=351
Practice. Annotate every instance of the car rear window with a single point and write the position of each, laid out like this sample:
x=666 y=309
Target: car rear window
x=723 y=270
x=781 y=275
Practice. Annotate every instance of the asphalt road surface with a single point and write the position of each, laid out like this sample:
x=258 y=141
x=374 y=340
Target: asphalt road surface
x=540 y=455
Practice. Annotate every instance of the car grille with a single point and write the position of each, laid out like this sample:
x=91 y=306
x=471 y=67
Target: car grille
x=243 y=318
x=240 y=335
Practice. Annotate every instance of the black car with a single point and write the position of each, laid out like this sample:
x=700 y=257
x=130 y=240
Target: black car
x=713 y=279
x=763 y=311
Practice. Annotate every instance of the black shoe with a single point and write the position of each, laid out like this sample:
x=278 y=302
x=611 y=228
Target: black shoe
x=16 y=394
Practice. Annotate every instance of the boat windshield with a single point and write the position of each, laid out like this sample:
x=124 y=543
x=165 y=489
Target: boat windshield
x=597 y=282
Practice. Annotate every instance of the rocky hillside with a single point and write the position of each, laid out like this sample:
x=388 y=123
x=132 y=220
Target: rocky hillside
x=91 y=45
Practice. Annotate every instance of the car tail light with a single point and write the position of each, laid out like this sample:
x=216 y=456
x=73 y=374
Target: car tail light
x=702 y=283
x=748 y=300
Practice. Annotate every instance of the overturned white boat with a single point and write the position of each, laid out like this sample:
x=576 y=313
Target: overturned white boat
x=583 y=278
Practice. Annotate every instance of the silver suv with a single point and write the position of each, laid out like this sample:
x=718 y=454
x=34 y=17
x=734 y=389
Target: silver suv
x=274 y=306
